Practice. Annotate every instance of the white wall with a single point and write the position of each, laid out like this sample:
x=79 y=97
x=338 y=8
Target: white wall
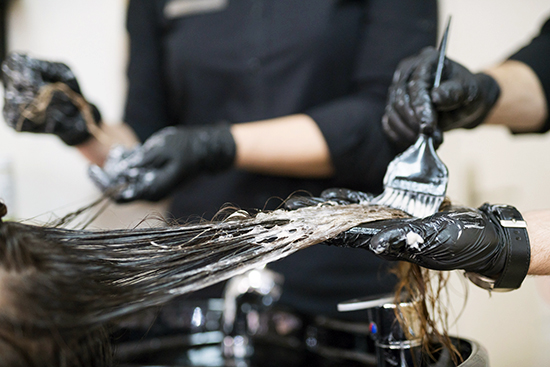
x=485 y=165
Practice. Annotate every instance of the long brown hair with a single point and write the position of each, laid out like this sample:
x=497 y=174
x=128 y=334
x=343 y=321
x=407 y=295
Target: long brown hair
x=60 y=287
x=33 y=332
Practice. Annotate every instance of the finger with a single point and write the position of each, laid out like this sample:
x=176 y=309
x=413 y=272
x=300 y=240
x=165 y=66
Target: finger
x=133 y=174
x=152 y=184
x=408 y=238
x=399 y=103
x=419 y=87
x=297 y=202
x=152 y=153
x=60 y=103
x=425 y=67
x=159 y=138
x=53 y=72
x=122 y=188
x=403 y=71
x=146 y=158
x=421 y=103
x=14 y=62
x=99 y=177
x=129 y=193
x=360 y=236
x=346 y=196
x=19 y=78
x=450 y=95
x=390 y=243
x=401 y=133
x=108 y=183
x=356 y=237
x=413 y=242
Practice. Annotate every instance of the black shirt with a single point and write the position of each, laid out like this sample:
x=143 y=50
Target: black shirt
x=260 y=59
x=537 y=55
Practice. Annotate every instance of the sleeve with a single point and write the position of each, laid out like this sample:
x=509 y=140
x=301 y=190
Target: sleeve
x=537 y=55
x=146 y=109
x=351 y=125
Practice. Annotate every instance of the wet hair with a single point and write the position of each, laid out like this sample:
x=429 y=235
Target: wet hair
x=429 y=289
x=59 y=287
x=34 y=307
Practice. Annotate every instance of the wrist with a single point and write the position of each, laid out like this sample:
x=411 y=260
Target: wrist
x=490 y=88
x=489 y=91
x=514 y=251
x=221 y=151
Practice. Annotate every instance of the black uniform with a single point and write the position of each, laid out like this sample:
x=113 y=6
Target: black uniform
x=250 y=60
x=537 y=56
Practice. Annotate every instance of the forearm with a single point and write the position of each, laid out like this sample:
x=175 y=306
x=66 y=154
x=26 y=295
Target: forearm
x=522 y=104
x=538 y=226
x=290 y=146
x=97 y=148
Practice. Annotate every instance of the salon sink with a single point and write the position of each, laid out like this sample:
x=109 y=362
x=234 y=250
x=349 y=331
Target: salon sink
x=473 y=355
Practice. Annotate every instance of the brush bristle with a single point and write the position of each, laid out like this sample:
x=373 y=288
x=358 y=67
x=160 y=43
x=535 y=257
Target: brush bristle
x=416 y=204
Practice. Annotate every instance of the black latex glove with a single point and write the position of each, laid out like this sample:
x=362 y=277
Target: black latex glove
x=462 y=100
x=464 y=238
x=23 y=77
x=333 y=195
x=356 y=237
x=167 y=159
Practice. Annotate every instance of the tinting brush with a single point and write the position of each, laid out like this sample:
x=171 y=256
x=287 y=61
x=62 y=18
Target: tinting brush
x=416 y=180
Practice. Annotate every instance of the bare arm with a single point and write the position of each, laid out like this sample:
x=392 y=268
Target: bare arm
x=538 y=226
x=290 y=146
x=522 y=105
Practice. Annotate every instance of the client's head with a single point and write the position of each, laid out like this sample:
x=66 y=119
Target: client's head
x=36 y=306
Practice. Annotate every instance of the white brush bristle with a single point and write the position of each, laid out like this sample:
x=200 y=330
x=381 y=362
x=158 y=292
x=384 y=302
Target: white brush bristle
x=413 y=203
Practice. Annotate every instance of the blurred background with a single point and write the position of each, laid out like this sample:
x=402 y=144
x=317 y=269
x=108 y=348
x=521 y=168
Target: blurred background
x=42 y=179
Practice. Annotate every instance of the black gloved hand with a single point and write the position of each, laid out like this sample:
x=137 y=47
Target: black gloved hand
x=24 y=79
x=167 y=159
x=333 y=195
x=474 y=240
x=462 y=100
x=355 y=237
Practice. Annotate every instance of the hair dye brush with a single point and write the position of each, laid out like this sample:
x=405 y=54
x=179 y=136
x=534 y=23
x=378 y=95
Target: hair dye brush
x=416 y=180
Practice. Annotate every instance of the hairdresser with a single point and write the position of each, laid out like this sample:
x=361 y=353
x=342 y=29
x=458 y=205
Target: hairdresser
x=514 y=94
x=244 y=101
